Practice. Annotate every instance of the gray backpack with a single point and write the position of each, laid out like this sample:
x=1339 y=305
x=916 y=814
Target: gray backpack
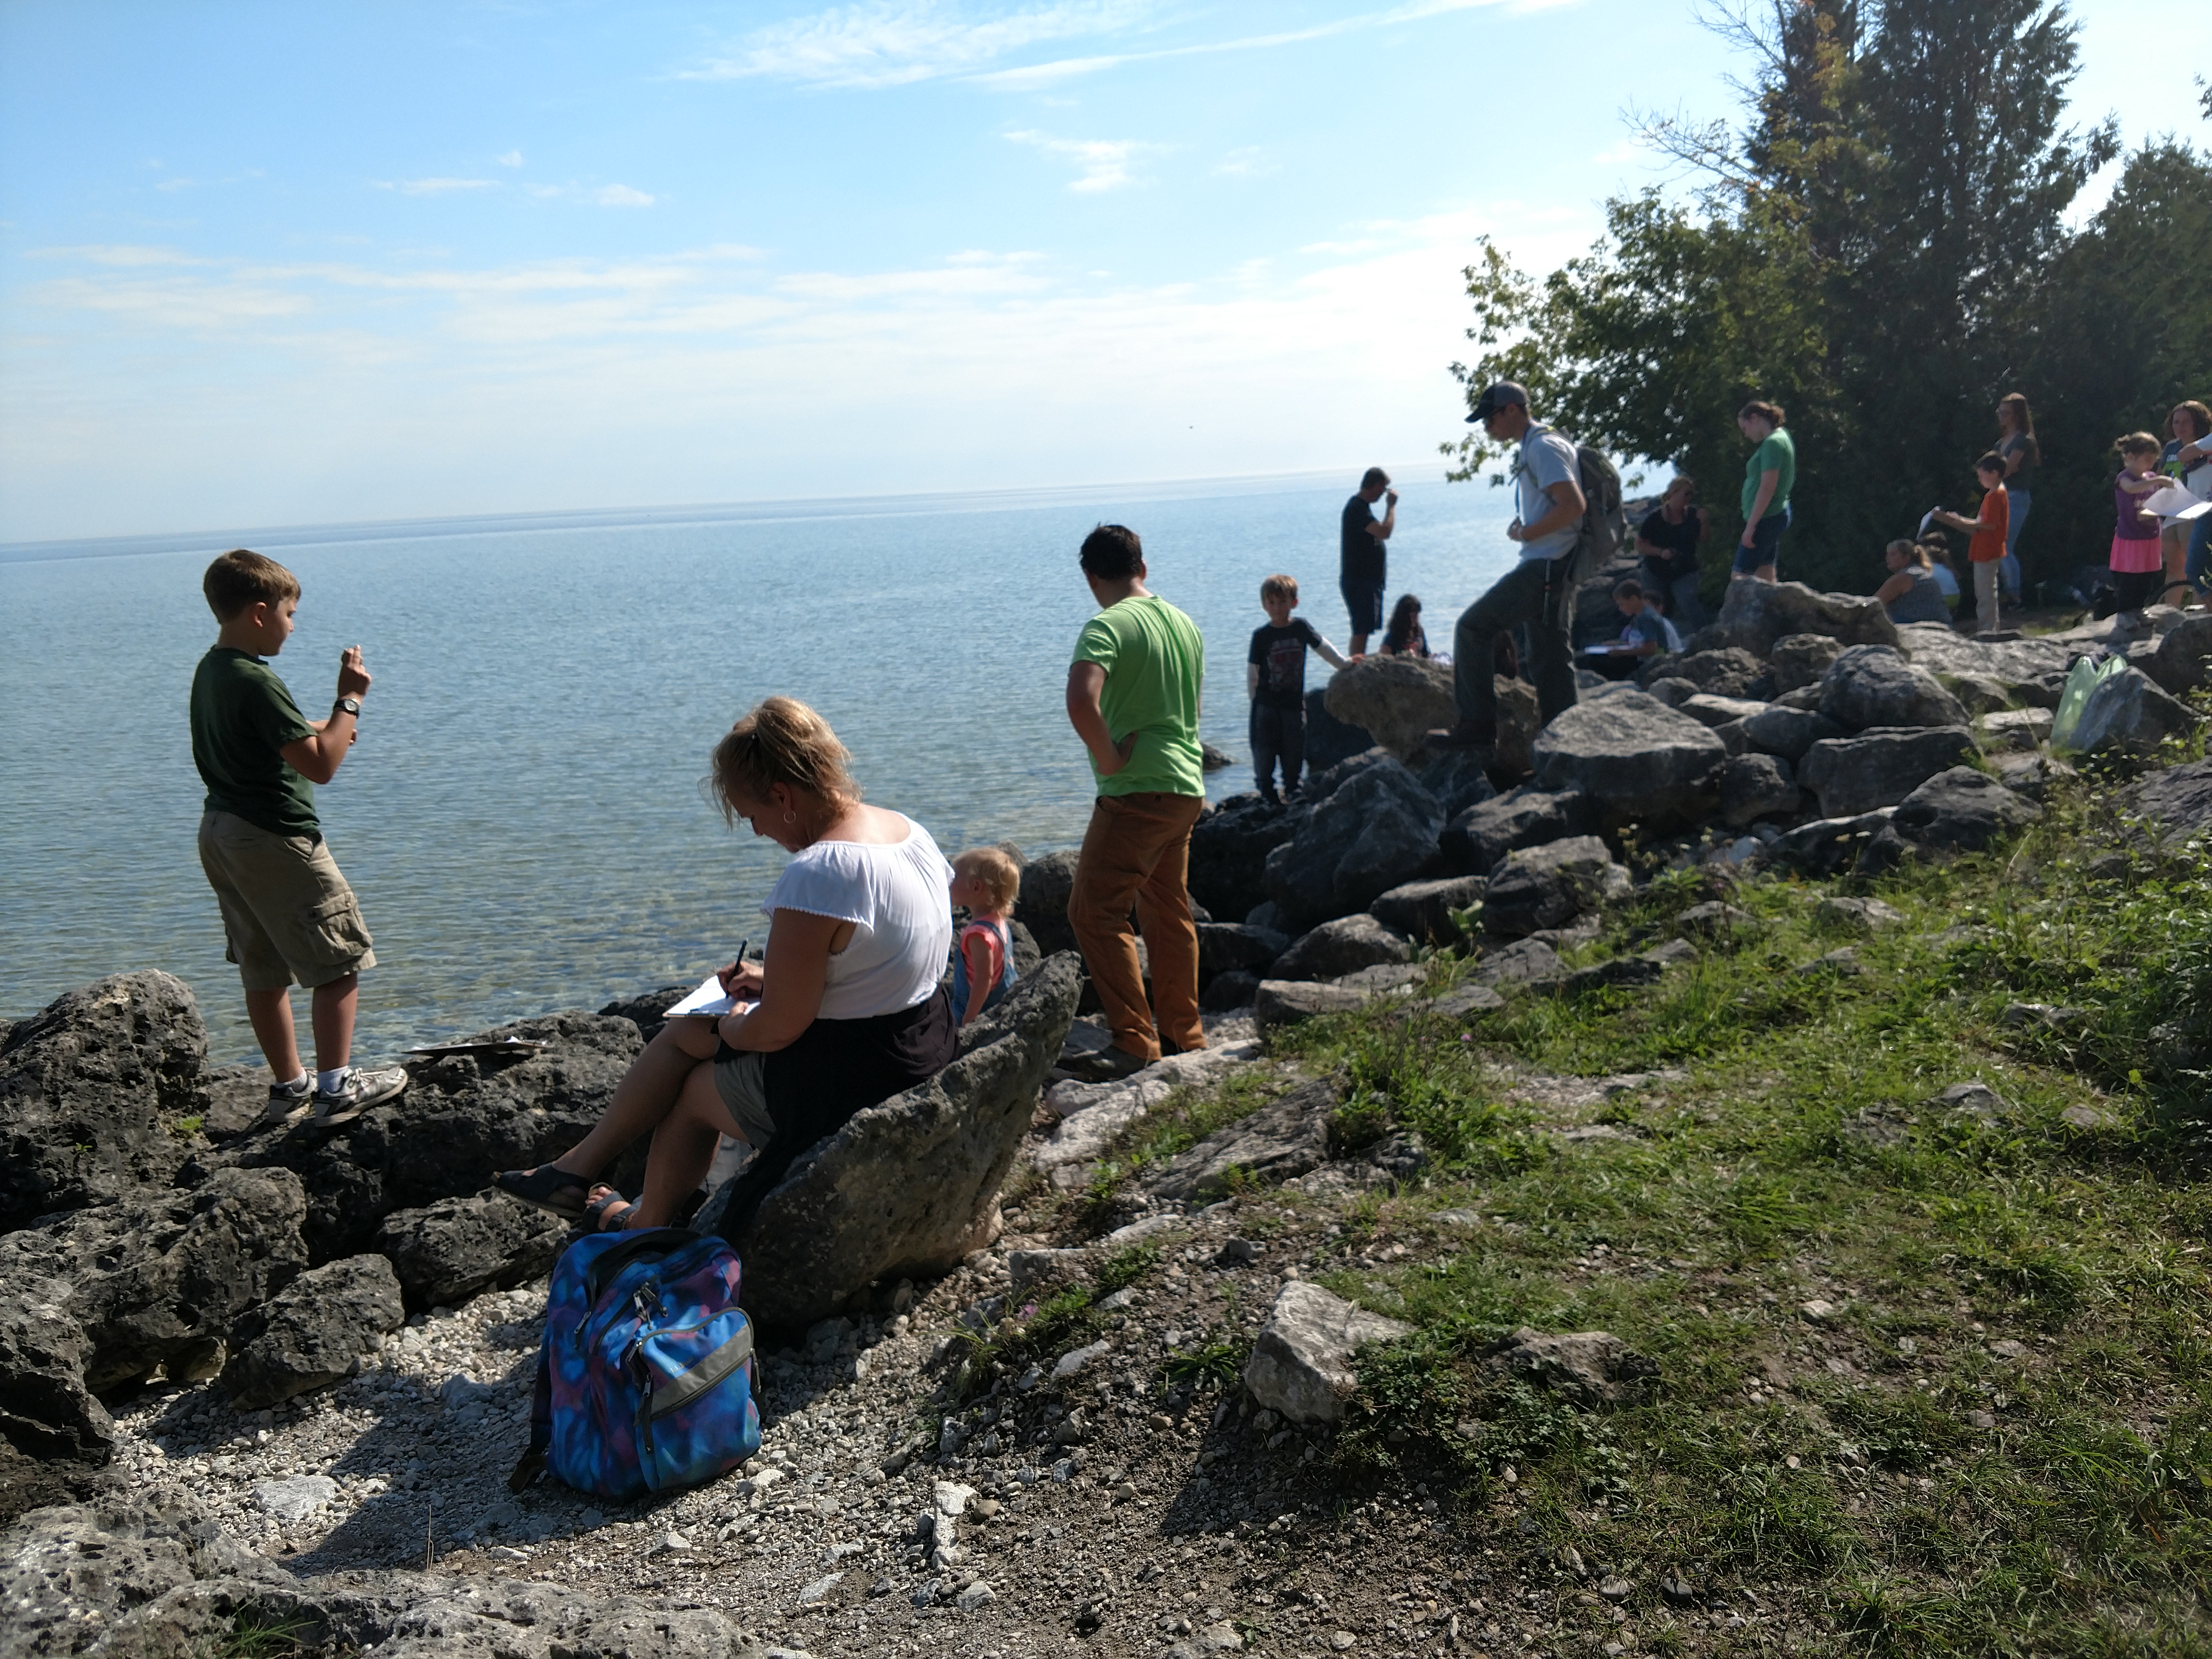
x=1605 y=526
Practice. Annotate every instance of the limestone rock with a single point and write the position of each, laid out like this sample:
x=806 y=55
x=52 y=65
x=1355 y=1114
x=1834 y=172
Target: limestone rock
x=1287 y=1137
x=1281 y=1002
x=1302 y=1364
x=1634 y=757
x=2021 y=729
x=2178 y=800
x=1757 y=786
x=1377 y=830
x=1826 y=846
x=1397 y=700
x=1477 y=840
x=1871 y=685
x=46 y=1409
x=1549 y=886
x=1778 y=729
x=1714 y=919
x=1755 y=616
x=2183 y=660
x=1716 y=713
x=646 y=1010
x=908 y=1186
x=1225 y=992
x=460 y=1119
x=1340 y=947
x=2031 y=670
x=1519 y=719
x=1960 y=811
x=1229 y=848
x=315 y=1332
x=1880 y=766
x=1041 y=906
x=1525 y=962
x=1592 y=1369
x=84 y=1086
x=1803 y=659
x=1329 y=739
x=1727 y=671
x=1225 y=946
x=1423 y=910
x=2128 y=715
x=1862 y=916
x=1458 y=780
x=446 y=1252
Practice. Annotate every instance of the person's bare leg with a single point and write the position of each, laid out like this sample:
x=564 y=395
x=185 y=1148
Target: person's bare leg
x=644 y=1096
x=1766 y=572
x=333 y=1006
x=271 y=1012
x=1358 y=646
x=682 y=1147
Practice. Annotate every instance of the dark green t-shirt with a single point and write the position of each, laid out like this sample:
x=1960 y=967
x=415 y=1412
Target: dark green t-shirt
x=242 y=715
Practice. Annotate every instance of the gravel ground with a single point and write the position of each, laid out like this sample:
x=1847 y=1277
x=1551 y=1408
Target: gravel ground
x=1112 y=1510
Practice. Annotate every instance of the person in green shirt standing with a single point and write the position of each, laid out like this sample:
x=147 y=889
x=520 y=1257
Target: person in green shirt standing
x=1767 y=480
x=1132 y=693
x=287 y=913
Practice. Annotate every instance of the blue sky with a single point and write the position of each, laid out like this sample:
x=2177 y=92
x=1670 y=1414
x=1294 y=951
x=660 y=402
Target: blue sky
x=268 y=264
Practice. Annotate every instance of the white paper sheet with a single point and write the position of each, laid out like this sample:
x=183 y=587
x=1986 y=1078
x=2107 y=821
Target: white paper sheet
x=2175 y=503
x=709 y=998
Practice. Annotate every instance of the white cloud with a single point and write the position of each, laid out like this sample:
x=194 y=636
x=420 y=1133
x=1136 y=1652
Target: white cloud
x=1249 y=162
x=434 y=186
x=1104 y=162
x=512 y=159
x=621 y=196
x=896 y=42
x=176 y=184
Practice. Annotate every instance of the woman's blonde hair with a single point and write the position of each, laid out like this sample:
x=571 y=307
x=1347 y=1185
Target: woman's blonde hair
x=780 y=741
x=1001 y=876
x=1914 y=553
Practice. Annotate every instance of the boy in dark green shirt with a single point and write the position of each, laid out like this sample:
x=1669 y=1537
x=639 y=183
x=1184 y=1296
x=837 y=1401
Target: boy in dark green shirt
x=286 y=912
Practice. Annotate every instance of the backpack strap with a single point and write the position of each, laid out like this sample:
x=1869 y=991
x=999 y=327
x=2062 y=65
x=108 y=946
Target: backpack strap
x=528 y=1467
x=646 y=1241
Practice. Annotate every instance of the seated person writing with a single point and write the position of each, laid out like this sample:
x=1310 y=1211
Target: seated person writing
x=849 y=1010
x=1647 y=632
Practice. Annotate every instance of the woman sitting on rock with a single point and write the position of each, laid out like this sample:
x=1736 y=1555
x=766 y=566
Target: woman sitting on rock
x=1911 y=593
x=849 y=1010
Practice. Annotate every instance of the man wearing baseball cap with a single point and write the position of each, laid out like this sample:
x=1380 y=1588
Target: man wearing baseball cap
x=1538 y=591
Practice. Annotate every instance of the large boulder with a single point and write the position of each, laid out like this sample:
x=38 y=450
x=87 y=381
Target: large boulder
x=1802 y=659
x=1376 y=830
x=1301 y=1365
x=1041 y=906
x=1340 y=947
x=1826 y=846
x=1397 y=700
x=1637 y=758
x=1727 y=671
x=1287 y=1137
x=1458 y=779
x=1881 y=767
x=2178 y=801
x=1871 y=685
x=1755 y=616
x=1279 y=1002
x=461 y=1120
x=1543 y=887
x=1476 y=841
x=1780 y=730
x=2030 y=671
x=1229 y=848
x=2183 y=658
x=1226 y=947
x=2127 y=714
x=446 y=1252
x=907 y=1188
x=1960 y=811
x=1329 y=739
x=316 y=1332
x=84 y=1086
x=1424 y=910
x=46 y=1409
x=1754 y=786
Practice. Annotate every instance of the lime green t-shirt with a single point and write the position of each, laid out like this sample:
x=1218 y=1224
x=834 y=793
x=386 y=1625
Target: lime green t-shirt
x=242 y=715
x=1779 y=452
x=1155 y=662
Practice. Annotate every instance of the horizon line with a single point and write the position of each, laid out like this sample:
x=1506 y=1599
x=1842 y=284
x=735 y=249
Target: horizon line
x=765 y=509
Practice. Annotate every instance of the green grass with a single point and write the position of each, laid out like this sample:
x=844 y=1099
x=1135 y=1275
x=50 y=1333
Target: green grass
x=1922 y=1493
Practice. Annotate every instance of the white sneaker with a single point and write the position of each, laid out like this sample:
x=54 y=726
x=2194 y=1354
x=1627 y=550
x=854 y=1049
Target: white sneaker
x=361 y=1090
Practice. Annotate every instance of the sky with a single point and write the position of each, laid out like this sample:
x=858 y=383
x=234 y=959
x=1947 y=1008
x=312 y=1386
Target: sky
x=269 y=263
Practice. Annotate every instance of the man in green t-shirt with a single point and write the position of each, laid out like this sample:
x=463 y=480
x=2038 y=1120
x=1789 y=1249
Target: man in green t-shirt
x=1133 y=696
x=287 y=913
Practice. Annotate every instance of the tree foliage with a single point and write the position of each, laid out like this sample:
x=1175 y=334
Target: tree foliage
x=1882 y=248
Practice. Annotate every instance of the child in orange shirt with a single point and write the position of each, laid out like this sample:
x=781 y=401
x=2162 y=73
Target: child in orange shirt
x=1986 y=551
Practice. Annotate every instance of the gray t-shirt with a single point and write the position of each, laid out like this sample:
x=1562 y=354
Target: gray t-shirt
x=1545 y=458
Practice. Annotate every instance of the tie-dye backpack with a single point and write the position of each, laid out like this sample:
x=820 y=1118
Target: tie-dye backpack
x=645 y=1381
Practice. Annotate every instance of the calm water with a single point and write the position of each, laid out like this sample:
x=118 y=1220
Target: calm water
x=522 y=815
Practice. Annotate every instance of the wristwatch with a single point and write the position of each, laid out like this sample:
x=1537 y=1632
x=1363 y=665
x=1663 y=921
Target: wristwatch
x=347 y=706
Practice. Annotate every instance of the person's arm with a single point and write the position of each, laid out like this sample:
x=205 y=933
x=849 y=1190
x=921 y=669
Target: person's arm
x=1251 y=679
x=1896 y=587
x=2014 y=456
x=1328 y=653
x=1381 y=529
x=317 y=758
x=1086 y=683
x=975 y=951
x=2149 y=484
x=1769 y=481
x=1566 y=498
x=1649 y=551
x=792 y=978
x=1956 y=521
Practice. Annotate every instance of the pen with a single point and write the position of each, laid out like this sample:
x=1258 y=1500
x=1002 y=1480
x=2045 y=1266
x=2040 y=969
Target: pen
x=743 y=945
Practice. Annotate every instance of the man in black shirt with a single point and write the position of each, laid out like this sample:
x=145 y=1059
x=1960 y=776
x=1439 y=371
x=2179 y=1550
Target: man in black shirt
x=1360 y=577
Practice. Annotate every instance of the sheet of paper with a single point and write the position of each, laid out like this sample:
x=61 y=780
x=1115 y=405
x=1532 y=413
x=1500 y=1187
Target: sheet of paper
x=2173 y=502
x=709 y=998
x=1928 y=519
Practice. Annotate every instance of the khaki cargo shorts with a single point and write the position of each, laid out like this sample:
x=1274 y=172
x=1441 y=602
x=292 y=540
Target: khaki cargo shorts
x=287 y=913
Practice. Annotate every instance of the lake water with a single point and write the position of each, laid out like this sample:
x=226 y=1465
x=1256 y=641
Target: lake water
x=522 y=815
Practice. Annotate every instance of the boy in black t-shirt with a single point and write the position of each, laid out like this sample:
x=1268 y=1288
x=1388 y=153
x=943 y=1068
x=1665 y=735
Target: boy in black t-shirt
x=1275 y=675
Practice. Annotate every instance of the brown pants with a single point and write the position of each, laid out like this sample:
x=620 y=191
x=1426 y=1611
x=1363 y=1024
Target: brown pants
x=1138 y=849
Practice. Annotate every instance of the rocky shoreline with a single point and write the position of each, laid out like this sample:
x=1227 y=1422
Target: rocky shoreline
x=279 y=1374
